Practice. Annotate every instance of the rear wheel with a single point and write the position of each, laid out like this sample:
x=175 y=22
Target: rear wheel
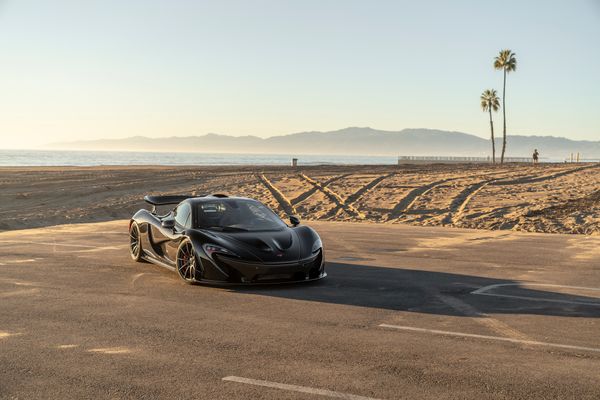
x=135 y=243
x=187 y=263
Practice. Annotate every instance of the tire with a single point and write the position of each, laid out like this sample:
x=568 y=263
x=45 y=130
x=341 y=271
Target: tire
x=187 y=265
x=135 y=243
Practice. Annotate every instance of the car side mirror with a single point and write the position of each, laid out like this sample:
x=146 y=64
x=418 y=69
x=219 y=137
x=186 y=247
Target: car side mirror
x=168 y=223
x=295 y=221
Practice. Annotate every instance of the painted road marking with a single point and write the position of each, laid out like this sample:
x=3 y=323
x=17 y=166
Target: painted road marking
x=4 y=334
x=484 y=291
x=123 y=246
x=65 y=244
x=503 y=339
x=482 y=318
x=296 y=388
x=18 y=292
x=21 y=261
x=67 y=346
x=18 y=283
x=111 y=350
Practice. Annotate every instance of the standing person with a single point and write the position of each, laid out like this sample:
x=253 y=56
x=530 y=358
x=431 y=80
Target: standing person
x=536 y=156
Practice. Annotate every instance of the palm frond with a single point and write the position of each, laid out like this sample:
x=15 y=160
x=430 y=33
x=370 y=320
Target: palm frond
x=489 y=100
x=506 y=60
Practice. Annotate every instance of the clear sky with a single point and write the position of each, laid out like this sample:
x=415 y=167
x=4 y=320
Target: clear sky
x=73 y=70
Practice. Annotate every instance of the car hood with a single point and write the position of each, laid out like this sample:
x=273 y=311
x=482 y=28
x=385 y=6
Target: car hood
x=268 y=246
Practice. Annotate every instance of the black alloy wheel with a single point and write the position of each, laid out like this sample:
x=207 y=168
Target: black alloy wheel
x=187 y=265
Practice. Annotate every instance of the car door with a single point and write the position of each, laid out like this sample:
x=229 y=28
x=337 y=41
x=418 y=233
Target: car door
x=160 y=235
x=183 y=221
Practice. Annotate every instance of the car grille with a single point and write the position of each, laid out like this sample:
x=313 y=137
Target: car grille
x=243 y=271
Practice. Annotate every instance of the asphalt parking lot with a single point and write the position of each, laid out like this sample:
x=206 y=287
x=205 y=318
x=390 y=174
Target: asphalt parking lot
x=406 y=312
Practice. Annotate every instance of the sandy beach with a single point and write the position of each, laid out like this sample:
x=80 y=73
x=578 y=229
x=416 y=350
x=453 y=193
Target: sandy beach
x=560 y=198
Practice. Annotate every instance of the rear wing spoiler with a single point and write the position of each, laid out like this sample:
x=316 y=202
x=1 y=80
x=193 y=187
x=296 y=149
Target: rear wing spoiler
x=174 y=199
x=165 y=200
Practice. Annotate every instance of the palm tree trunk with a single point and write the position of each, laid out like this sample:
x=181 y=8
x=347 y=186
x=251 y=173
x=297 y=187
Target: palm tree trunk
x=504 y=117
x=493 y=143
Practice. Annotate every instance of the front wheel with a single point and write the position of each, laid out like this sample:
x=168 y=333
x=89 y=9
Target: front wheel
x=187 y=262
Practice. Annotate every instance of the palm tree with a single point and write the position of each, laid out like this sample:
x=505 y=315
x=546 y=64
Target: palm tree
x=490 y=102
x=507 y=62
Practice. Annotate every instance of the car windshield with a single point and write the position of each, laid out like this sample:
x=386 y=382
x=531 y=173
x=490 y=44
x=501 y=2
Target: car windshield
x=236 y=215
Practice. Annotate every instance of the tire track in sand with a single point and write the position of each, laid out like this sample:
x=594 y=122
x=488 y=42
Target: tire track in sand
x=460 y=202
x=408 y=201
x=357 y=195
x=411 y=198
x=334 y=197
x=306 y=195
x=283 y=201
x=535 y=178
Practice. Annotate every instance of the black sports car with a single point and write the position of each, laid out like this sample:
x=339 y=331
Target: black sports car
x=223 y=239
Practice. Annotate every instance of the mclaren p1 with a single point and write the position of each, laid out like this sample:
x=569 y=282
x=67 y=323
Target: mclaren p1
x=221 y=239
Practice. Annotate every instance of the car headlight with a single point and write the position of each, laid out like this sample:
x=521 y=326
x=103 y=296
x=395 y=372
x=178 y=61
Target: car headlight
x=316 y=246
x=210 y=249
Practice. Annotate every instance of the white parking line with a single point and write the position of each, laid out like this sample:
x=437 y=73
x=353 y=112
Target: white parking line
x=64 y=244
x=111 y=350
x=484 y=291
x=67 y=346
x=4 y=334
x=18 y=292
x=503 y=339
x=20 y=261
x=296 y=388
x=18 y=283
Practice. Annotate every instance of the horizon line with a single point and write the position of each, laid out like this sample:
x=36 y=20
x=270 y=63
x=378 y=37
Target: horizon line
x=301 y=132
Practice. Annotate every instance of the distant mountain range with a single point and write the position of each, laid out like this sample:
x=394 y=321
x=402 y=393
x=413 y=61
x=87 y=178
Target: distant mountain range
x=349 y=141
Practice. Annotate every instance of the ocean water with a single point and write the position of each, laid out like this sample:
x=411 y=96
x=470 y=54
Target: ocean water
x=94 y=158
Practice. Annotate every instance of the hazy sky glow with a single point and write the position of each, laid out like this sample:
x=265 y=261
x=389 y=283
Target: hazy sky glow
x=76 y=69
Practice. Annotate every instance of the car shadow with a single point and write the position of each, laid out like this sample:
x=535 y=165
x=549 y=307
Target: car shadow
x=425 y=292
